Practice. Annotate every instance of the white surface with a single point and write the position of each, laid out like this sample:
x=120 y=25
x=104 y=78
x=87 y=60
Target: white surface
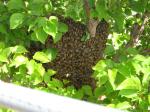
x=28 y=100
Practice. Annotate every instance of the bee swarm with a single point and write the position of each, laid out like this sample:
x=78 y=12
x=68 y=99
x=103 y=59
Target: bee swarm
x=75 y=58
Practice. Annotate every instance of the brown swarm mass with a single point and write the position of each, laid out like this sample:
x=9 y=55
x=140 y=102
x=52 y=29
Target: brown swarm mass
x=75 y=58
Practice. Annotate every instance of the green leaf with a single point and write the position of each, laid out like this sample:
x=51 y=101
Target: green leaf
x=94 y=13
x=138 y=6
x=87 y=90
x=36 y=7
x=33 y=37
x=54 y=20
x=19 y=60
x=124 y=70
x=2 y=45
x=102 y=9
x=129 y=93
x=51 y=72
x=41 y=35
x=149 y=99
x=57 y=37
x=36 y=78
x=132 y=51
x=41 y=56
x=15 y=4
x=16 y=19
x=119 y=18
x=143 y=104
x=109 y=50
x=4 y=69
x=46 y=78
x=92 y=3
x=41 y=21
x=3 y=58
x=4 y=54
x=51 y=53
x=101 y=65
x=137 y=67
x=123 y=105
x=103 y=79
x=48 y=7
x=36 y=72
x=108 y=87
x=139 y=58
x=31 y=66
x=51 y=28
x=62 y=27
x=130 y=83
x=55 y=83
x=146 y=76
x=112 y=77
x=3 y=29
x=99 y=91
x=79 y=94
x=111 y=105
x=48 y=75
x=85 y=37
x=40 y=69
x=19 y=49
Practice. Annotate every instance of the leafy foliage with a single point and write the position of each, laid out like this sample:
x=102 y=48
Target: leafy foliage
x=122 y=77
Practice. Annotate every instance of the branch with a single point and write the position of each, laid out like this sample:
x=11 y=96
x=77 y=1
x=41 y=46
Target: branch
x=137 y=31
x=87 y=9
x=91 y=23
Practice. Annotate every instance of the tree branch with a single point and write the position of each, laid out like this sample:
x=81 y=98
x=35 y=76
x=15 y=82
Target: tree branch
x=87 y=9
x=137 y=31
x=91 y=23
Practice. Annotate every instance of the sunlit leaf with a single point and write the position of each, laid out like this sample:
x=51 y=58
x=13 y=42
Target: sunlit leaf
x=130 y=83
x=41 y=35
x=41 y=56
x=19 y=60
x=16 y=19
x=51 y=53
x=62 y=27
x=112 y=77
x=123 y=105
x=129 y=93
x=51 y=26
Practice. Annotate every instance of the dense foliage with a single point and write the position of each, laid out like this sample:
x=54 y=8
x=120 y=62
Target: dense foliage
x=122 y=76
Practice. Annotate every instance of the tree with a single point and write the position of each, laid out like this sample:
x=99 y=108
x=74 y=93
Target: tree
x=111 y=36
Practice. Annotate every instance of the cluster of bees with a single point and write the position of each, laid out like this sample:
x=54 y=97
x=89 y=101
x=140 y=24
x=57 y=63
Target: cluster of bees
x=75 y=58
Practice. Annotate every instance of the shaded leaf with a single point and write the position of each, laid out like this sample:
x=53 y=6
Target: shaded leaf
x=36 y=7
x=102 y=9
x=15 y=4
x=87 y=90
x=51 y=53
x=41 y=35
x=62 y=27
x=57 y=37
